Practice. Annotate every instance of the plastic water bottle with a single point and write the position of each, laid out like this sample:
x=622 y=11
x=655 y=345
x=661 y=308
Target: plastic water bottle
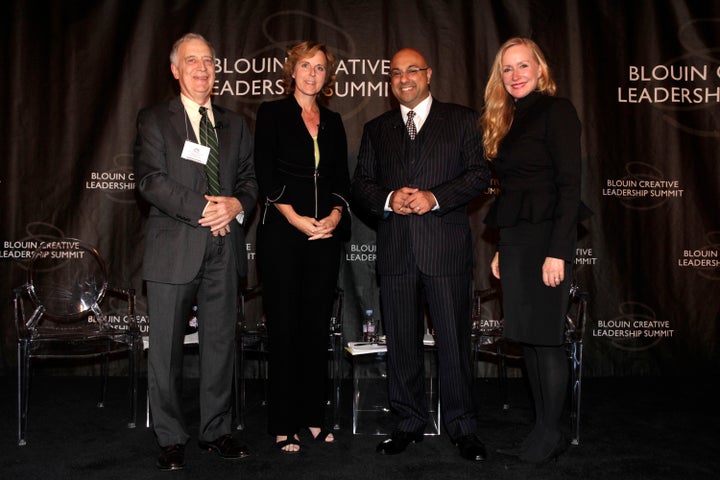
x=364 y=328
x=192 y=325
x=369 y=327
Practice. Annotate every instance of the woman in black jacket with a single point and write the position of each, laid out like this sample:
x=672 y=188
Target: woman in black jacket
x=533 y=139
x=302 y=171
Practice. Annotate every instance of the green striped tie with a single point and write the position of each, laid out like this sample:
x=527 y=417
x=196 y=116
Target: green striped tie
x=212 y=167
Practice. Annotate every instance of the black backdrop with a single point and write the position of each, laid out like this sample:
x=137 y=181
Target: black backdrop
x=644 y=76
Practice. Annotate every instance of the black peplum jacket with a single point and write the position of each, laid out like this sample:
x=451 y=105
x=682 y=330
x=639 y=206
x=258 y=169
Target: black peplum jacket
x=538 y=166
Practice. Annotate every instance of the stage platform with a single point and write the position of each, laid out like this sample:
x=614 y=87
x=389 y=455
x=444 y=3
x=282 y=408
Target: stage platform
x=632 y=428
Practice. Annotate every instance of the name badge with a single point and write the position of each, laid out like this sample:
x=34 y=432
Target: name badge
x=195 y=152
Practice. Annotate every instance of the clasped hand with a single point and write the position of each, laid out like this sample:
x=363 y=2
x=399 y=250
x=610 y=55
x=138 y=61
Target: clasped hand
x=409 y=200
x=218 y=214
x=316 y=229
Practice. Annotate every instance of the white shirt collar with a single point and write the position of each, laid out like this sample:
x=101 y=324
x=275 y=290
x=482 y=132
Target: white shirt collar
x=193 y=111
x=422 y=110
x=193 y=108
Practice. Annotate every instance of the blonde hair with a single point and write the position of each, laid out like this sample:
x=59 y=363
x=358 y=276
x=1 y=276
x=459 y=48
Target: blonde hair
x=305 y=50
x=499 y=107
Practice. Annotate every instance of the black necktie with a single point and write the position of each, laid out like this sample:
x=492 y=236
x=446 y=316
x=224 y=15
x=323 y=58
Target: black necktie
x=212 y=167
x=412 y=130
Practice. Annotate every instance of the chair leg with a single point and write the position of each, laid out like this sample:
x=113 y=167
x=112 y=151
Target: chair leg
x=104 y=368
x=576 y=362
x=135 y=354
x=148 y=417
x=23 y=390
x=336 y=360
x=239 y=380
x=264 y=367
x=502 y=379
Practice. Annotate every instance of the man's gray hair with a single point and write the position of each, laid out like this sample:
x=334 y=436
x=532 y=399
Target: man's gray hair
x=185 y=38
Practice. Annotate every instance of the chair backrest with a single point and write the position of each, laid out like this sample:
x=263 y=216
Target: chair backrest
x=576 y=317
x=250 y=308
x=487 y=320
x=336 y=318
x=66 y=282
x=485 y=328
x=68 y=278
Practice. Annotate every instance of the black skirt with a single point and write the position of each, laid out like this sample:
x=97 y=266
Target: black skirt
x=534 y=313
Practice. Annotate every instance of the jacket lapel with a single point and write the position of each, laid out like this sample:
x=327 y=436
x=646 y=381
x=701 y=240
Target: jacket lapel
x=396 y=134
x=180 y=122
x=432 y=131
x=222 y=130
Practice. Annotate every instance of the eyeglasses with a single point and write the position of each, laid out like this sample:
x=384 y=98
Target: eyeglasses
x=410 y=72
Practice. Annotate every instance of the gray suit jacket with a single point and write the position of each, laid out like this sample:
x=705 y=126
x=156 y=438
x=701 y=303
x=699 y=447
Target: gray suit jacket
x=450 y=164
x=174 y=187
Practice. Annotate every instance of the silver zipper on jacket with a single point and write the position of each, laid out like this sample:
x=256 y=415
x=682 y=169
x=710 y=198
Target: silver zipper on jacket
x=269 y=201
x=315 y=180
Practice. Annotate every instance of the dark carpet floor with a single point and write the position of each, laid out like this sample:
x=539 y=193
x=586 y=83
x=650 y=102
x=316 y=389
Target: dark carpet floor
x=632 y=428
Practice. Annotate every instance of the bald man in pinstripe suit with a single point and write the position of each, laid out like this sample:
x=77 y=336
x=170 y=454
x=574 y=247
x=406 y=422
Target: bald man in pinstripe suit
x=418 y=167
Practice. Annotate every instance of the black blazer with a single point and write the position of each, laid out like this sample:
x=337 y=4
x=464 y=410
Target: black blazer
x=285 y=161
x=450 y=164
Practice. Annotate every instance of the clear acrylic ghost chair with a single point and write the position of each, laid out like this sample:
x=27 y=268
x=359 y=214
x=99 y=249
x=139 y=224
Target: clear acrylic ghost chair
x=488 y=342
x=65 y=285
x=575 y=322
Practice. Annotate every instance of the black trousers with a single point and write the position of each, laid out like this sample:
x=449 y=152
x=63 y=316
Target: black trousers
x=449 y=301
x=299 y=278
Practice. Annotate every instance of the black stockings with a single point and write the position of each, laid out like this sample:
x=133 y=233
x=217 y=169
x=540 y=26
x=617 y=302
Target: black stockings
x=547 y=371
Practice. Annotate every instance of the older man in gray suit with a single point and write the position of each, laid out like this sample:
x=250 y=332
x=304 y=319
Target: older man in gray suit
x=194 y=247
x=418 y=167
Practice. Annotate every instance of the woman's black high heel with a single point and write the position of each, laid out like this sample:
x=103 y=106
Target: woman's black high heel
x=542 y=458
x=518 y=448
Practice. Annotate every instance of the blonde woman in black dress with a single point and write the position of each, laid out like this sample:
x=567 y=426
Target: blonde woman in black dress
x=533 y=139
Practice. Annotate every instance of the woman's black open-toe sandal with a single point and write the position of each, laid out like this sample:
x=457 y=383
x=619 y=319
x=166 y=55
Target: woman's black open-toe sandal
x=322 y=436
x=290 y=440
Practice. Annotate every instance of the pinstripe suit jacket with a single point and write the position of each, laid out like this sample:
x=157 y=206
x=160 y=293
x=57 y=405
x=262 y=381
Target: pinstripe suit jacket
x=450 y=164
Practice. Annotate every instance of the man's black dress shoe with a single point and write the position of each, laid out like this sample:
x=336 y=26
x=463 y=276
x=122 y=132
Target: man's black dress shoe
x=398 y=442
x=226 y=447
x=172 y=457
x=471 y=448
